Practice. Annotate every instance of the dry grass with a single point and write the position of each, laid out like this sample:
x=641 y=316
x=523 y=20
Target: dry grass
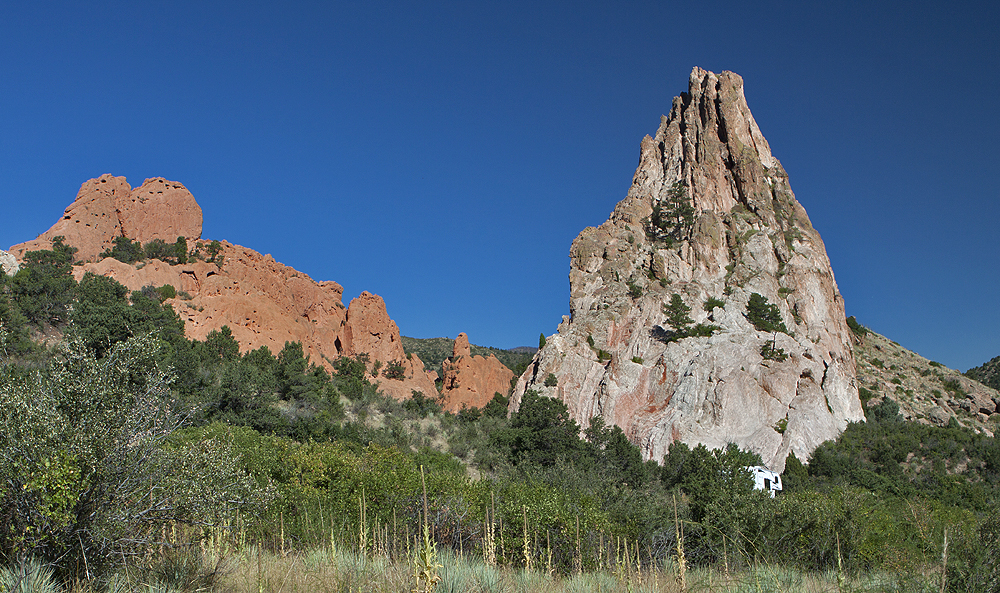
x=319 y=571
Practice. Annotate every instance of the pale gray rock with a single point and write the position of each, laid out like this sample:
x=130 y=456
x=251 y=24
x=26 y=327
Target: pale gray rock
x=8 y=263
x=750 y=235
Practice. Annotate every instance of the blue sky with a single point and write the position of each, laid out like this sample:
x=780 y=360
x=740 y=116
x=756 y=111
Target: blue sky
x=445 y=158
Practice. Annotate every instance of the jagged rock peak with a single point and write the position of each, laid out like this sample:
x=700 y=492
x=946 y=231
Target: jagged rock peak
x=710 y=217
x=108 y=207
x=461 y=347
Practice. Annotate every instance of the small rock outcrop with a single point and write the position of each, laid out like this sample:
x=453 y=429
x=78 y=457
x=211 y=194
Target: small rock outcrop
x=710 y=217
x=8 y=263
x=108 y=207
x=471 y=381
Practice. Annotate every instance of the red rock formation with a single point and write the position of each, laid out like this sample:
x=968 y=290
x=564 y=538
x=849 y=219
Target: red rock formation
x=472 y=380
x=107 y=207
x=264 y=302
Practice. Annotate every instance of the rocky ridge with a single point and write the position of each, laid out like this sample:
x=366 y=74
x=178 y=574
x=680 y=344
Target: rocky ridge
x=616 y=355
x=263 y=302
x=926 y=391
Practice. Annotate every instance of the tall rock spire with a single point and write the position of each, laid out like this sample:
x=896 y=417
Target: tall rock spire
x=711 y=218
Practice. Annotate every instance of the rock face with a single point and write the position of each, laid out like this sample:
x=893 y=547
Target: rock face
x=8 y=263
x=107 y=207
x=472 y=380
x=615 y=356
x=264 y=302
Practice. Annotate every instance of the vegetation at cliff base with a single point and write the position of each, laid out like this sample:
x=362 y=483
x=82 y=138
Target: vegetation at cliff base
x=131 y=454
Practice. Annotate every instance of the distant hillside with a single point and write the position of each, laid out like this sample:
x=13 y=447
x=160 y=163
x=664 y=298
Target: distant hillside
x=926 y=391
x=433 y=351
x=988 y=373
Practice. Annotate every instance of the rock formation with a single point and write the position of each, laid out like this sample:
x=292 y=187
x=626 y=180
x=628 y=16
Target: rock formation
x=107 y=207
x=264 y=302
x=8 y=263
x=472 y=380
x=729 y=227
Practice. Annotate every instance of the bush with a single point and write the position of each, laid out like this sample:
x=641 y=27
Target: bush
x=125 y=250
x=86 y=443
x=395 y=370
x=551 y=380
x=712 y=303
x=763 y=315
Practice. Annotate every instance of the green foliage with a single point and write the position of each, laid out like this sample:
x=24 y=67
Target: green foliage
x=677 y=314
x=125 y=250
x=769 y=351
x=634 y=290
x=672 y=219
x=497 y=407
x=859 y=330
x=951 y=465
x=712 y=303
x=551 y=380
x=541 y=340
x=85 y=444
x=637 y=359
x=395 y=370
x=541 y=432
x=422 y=405
x=28 y=576
x=763 y=315
x=44 y=287
x=681 y=323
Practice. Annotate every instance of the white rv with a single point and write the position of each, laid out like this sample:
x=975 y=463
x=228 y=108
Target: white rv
x=765 y=479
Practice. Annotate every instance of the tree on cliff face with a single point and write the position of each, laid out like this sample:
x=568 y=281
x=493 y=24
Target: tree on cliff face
x=673 y=218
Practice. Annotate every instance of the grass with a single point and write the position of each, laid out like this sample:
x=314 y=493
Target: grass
x=344 y=570
x=320 y=570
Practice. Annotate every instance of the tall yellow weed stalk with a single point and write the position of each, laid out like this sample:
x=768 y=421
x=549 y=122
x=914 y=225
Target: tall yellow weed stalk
x=425 y=563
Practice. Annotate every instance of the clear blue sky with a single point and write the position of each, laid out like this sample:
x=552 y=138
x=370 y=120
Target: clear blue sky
x=444 y=158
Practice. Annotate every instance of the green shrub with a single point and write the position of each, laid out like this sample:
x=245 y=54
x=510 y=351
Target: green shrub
x=637 y=359
x=634 y=290
x=91 y=434
x=712 y=303
x=395 y=370
x=859 y=330
x=125 y=250
x=768 y=351
x=551 y=380
x=672 y=219
x=763 y=315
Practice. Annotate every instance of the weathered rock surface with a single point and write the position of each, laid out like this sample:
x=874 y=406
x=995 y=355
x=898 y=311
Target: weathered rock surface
x=108 y=207
x=266 y=303
x=8 y=263
x=472 y=380
x=749 y=235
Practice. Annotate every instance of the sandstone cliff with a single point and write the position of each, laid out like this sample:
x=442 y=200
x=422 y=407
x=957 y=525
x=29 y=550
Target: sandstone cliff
x=614 y=355
x=264 y=302
x=108 y=207
x=472 y=380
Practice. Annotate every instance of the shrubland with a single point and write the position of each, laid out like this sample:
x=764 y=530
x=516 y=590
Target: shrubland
x=132 y=454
